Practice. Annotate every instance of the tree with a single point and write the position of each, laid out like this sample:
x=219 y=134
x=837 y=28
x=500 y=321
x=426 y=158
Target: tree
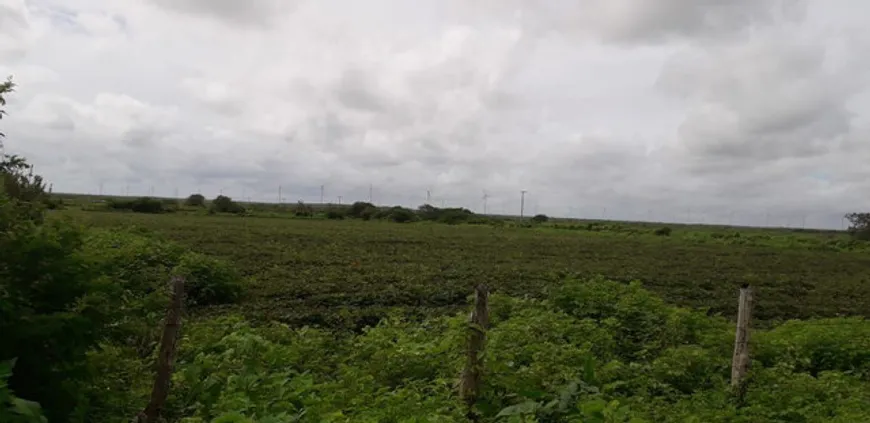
x=224 y=204
x=859 y=225
x=48 y=319
x=362 y=209
x=540 y=218
x=195 y=200
x=6 y=87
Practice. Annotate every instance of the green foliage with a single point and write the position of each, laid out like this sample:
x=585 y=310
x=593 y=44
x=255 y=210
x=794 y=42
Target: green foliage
x=49 y=306
x=540 y=218
x=542 y=364
x=18 y=183
x=362 y=210
x=859 y=225
x=12 y=408
x=303 y=210
x=195 y=200
x=304 y=266
x=450 y=216
x=138 y=205
x=208 y=280
x=818 y=346
x=6 y=87
x=224 y=204
x=663 y=231
x=401 y=215
x=335 y=214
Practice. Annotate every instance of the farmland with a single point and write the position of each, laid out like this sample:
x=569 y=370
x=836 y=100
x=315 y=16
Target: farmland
x=340 y=319
x=351 y=272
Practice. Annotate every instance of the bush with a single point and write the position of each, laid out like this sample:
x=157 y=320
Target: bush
x=663 y=231
x=195 y=200
x=224 y=204
x=369 y=213
x=139 y=205
x=447 y=215
x=361 y=208
x=859 y=225
x=50 y=313
x=334 y=214
x=401 y=215
x=303 y=210
x=208 y=281
x=540 y=218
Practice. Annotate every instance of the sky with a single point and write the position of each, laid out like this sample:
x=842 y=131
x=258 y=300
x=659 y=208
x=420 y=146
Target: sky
x=751 y=112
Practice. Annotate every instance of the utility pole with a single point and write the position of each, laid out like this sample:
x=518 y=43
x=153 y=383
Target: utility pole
x=321 y=194
x=370 y=193
x=339 y=200
x=522 y=203
x=428 y=197
x=101 y=188
x=485 y=197
x=279 y=194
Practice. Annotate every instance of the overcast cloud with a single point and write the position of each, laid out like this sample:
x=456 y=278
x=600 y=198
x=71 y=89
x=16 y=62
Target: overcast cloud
x=745 y=111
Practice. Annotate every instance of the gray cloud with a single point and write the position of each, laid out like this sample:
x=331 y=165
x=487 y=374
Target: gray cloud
x=747 y=111
x=246 y=13
x=635 y=21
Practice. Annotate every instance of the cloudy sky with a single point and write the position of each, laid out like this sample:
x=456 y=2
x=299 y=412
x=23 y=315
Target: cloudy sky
x=742 y=111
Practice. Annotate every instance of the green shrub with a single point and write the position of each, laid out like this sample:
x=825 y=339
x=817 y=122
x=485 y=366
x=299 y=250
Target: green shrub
x=401 y=215
x=208 y=281
x=303 y=210
x=224 y=204
x=663 y=231
x=540 y=218
x=335 y=214
x=51 y=307
x=138 y=205
x=361 y=208
x=195 y=200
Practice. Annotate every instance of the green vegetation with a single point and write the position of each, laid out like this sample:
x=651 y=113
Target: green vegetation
x=350 y=273
x=195 y=200
x=860 y=225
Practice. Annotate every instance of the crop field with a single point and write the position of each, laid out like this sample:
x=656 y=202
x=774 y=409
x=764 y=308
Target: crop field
x=352 y=272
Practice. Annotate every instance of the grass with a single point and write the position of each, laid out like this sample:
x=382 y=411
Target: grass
x=353 y=272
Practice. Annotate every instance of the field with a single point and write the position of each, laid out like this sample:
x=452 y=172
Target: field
x=351 y=272
x=343 y=316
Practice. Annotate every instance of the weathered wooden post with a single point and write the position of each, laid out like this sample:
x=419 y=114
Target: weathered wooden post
x=166 y=357
x=740 y=361
x=469 y=384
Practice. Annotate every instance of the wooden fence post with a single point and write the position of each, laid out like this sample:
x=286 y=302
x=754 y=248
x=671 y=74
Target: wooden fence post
x=469 y=384
x=740 y=361
x=166 y=357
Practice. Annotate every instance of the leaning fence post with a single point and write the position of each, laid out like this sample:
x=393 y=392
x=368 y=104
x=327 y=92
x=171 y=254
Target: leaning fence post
x=740 y=361
x=469 y=384
x=166 y=357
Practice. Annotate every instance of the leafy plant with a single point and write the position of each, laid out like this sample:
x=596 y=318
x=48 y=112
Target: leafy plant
x=663 y=231
x=540 y=218
x=195 y=200
x=224 y=204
